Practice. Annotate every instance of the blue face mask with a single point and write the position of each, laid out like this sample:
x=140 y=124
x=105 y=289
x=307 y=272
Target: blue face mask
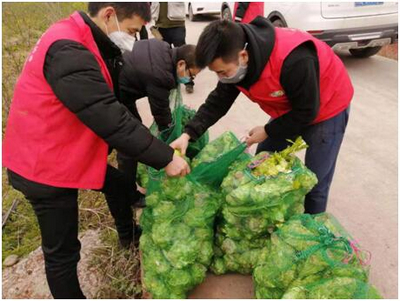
x=184 y=80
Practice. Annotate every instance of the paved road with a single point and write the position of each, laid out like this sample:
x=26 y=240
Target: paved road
x=364 y=192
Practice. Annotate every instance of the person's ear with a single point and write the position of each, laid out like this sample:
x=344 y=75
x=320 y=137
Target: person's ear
x=181 y=64
x=244 y=55
x=107 y=13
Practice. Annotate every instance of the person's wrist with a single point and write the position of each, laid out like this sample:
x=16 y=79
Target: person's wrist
x=186 y=136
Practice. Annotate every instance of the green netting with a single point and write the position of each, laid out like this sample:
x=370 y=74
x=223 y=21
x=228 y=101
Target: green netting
x=142 y=176
x=333 y=288
x=178 y=225
x=181 y=115
x=307 y=255
x=211 y=165
x=255 y=204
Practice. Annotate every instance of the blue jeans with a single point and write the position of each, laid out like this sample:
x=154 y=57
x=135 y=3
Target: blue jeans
x=324 y=140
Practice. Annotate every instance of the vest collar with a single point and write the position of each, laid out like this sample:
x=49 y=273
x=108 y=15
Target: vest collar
x=107 y=48
x=260 y=36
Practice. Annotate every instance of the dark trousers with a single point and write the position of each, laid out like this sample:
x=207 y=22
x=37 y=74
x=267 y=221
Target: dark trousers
x=57 y=213
x=324 y=140
x=128 y=167
x=174 y=36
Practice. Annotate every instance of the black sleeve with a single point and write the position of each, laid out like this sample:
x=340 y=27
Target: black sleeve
x=76 y=79
x=300 y=81
x=216 y=106
x=241 y=11
x=159 y=104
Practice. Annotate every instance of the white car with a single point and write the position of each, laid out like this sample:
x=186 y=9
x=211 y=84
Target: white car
x=360 y=27
x=195 y=9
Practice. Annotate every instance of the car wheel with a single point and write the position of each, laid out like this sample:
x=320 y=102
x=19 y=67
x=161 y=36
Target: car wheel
x=278 y=23
x=192 y=17
x=226 y=14
x=365 y=52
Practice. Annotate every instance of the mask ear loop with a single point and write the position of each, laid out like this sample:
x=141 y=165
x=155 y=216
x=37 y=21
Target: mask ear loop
x=116 y=19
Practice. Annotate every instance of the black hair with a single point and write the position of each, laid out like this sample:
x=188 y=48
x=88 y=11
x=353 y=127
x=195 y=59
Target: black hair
x=123 y=10
x=188 y=54
x=220 y=39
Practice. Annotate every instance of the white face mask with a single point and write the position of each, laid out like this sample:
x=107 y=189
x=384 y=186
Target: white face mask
x=239 y=75
x=123 y=40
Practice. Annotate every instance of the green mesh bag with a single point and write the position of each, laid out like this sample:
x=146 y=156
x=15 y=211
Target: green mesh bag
x=256 y=200
x=142 y=176
x=181 y=115
x=312 y=256
x=178 y=226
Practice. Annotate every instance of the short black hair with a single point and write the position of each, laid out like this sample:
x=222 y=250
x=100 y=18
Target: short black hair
x=220 y=39
x=188 y=54
x=124 y=10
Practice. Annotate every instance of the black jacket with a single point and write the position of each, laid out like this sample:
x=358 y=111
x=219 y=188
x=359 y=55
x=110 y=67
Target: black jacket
x=149 y=70
x=76 y=79
x=299 y=78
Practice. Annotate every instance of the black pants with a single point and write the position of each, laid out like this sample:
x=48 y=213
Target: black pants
x=174 y=36
x=128 y=167
x=57 y=213
x=324 y=140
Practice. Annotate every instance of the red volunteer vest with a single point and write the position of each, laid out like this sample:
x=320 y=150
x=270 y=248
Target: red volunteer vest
x=45 y=142
x=254 y=9
x=336 y=90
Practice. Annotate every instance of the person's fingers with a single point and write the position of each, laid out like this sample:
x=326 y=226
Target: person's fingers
x=183 y=150
x=183 y=172
x=250 y=142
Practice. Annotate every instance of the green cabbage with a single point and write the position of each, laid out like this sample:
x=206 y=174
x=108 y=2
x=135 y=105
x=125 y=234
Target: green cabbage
x=178 y=226
x=258 y=200
x=307 y=259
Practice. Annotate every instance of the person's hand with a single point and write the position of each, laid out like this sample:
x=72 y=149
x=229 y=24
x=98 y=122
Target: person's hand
x=181 y=143
x=256 y=135
x=178 y=167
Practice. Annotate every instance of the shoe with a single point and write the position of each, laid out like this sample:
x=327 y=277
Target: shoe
x=189 y=89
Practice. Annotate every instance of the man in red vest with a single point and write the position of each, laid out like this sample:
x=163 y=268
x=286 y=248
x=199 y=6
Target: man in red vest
x=293 y=77
x=64 y=118
x=245 y=12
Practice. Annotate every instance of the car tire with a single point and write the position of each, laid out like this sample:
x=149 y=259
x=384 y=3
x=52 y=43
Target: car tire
x=192 y=16
x=226 y=14
x=365 y=52
x=278 y=23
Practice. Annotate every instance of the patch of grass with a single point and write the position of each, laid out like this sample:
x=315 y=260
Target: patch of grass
x=21 y=235
x=120 y=268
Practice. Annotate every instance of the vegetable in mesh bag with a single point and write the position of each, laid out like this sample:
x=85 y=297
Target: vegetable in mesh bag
x=224 y=143
x=259 y=199
x=177 y=240
x=239 y=256
x=304 y=253
x=142 y=175
x=333 y=288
